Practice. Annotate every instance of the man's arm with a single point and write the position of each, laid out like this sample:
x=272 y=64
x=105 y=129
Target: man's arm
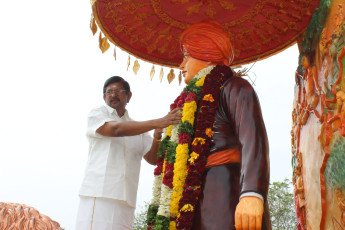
x=151 y=155
x=132 y=128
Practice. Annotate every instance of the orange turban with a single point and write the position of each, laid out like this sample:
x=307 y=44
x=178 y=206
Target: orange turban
x=208 y=41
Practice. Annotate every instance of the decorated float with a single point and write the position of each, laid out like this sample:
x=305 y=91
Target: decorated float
x=149 y=30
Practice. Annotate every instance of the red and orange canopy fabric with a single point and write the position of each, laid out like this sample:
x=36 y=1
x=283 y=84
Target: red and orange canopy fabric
x=150 y=29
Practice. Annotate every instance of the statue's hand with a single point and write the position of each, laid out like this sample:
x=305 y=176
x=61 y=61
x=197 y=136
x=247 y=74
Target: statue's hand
x=248 y=214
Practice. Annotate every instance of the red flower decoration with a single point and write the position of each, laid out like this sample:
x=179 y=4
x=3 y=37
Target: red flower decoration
x=159 y=167
x=191 y=97
x=168 y=174
x=184 y=138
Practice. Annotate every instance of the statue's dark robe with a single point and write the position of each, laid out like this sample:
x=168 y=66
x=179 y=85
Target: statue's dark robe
x=238 y=124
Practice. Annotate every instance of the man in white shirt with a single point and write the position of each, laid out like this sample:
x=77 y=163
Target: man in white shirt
x=117 y=145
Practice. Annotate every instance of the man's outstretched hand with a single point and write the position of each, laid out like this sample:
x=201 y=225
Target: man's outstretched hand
x=248 y=214
x=172 y=118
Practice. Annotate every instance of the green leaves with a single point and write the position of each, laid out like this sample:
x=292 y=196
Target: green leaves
x=162 y=146
x=151 y=215
x=281 y=204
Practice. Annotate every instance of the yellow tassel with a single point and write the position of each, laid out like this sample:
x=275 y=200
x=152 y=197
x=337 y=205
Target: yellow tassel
x=93 y=25
x=92 y=2
x=103 y=43
x=152 y=73
x=171 y=76
x=128 y=62
x=136 y=67
x=180 y=78
x=114 y=53
x=161 y=75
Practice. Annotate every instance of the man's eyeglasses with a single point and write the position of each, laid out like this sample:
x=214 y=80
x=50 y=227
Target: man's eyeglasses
x=111 y=92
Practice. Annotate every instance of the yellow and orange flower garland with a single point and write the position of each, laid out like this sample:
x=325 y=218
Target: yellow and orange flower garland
x=182 y=158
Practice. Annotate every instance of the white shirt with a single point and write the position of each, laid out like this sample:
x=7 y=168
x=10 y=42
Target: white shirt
x=113 y=166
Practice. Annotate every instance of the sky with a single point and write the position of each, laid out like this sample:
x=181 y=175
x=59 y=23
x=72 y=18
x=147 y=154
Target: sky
x=51 y=75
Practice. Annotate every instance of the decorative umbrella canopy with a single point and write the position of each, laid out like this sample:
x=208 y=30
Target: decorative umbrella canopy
x=150 y=29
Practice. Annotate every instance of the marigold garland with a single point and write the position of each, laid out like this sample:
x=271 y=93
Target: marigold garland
x=209 y=132
x=168 y=132
x=198 y=140
x=180 y=173
x=193 y=157
x=208 y=97
x=201 y=81
x=187 y=208
x=184 y=149
x=189 y=109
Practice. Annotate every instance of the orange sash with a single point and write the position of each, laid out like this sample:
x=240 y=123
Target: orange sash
x=224 y=157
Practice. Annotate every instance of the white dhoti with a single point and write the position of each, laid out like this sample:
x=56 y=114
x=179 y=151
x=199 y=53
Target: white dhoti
x=96 y=213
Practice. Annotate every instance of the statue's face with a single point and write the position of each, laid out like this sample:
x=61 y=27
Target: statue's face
x=191 y=66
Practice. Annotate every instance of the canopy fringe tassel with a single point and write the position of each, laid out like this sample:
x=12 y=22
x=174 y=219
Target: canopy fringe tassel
x=152 y=73
x=104 y=45
x=161 y=74
x=171 y=76
x=93 y=25
x=136 y=67
x=128 y=62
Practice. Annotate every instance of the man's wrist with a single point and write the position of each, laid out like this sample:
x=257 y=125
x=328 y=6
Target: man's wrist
x=156 y=139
